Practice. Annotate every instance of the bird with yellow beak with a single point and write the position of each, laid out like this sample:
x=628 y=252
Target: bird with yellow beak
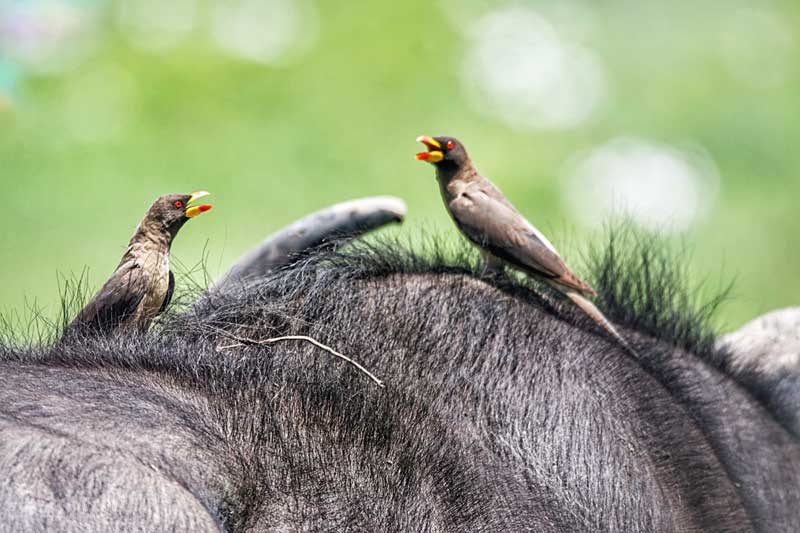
x=504 y=237
x=141 y=287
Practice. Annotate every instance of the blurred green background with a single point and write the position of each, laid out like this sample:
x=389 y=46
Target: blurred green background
x=685 y=115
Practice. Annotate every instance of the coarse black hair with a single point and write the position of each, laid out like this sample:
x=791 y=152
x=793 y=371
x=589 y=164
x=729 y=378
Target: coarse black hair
x=503 y=409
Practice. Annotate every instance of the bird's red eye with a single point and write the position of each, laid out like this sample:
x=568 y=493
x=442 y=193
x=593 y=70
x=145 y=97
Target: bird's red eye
x=450 y=145
x=178 y=204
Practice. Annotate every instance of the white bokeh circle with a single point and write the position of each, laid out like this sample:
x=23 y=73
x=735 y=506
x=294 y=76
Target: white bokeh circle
x=518 y=68
x=659 y=187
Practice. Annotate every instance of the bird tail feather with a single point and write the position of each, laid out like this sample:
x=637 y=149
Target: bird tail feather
x=600 y=319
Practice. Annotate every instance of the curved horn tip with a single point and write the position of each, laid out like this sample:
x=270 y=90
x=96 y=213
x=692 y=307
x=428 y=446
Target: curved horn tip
x=394 y=205
x=390 y=205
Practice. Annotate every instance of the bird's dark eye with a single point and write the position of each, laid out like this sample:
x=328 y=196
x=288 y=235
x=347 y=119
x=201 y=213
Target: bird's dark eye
x=450 y=145
x=178 y=204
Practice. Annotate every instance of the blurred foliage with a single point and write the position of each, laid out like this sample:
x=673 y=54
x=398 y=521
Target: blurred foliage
x=84 y=152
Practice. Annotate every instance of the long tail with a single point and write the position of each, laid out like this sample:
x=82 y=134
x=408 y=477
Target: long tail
x=600 y=319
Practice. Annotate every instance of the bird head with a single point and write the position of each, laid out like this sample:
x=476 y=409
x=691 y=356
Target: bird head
x=443 y=151
x=173 y=210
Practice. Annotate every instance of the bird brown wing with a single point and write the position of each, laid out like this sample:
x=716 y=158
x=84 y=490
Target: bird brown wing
x=116 y=301
x=493 y=224
x=168 y=296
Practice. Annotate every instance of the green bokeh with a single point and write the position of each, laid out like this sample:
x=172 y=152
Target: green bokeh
x=339 y=122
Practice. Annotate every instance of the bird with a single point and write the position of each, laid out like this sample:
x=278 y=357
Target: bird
x=502 y=234
x=141 y=287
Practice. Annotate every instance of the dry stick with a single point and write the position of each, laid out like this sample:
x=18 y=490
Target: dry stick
x=273 y=340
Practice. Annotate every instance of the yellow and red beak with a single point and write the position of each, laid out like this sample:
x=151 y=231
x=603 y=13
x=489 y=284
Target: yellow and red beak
x=194 y=210
x=434 y=153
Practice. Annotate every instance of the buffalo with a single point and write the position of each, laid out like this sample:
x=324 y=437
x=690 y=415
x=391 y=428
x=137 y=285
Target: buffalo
x=502 y=409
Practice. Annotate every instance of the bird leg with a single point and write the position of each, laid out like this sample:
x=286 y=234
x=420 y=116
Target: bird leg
x=492 y=266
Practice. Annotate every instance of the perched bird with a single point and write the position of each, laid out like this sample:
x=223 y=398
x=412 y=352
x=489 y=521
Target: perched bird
x=141 y=287
x=502 y=234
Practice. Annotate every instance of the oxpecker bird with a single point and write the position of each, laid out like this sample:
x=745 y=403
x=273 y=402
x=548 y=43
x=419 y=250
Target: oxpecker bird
x=141 y=287
x=501 y=233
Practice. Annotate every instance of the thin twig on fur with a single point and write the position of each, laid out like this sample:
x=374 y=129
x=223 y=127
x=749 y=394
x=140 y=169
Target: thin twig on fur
x=273 y=340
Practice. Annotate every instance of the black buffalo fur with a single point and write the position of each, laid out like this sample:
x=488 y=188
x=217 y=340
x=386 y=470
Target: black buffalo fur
x=504 y=409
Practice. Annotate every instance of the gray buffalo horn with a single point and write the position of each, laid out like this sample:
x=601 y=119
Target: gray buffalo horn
x=347 y=220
